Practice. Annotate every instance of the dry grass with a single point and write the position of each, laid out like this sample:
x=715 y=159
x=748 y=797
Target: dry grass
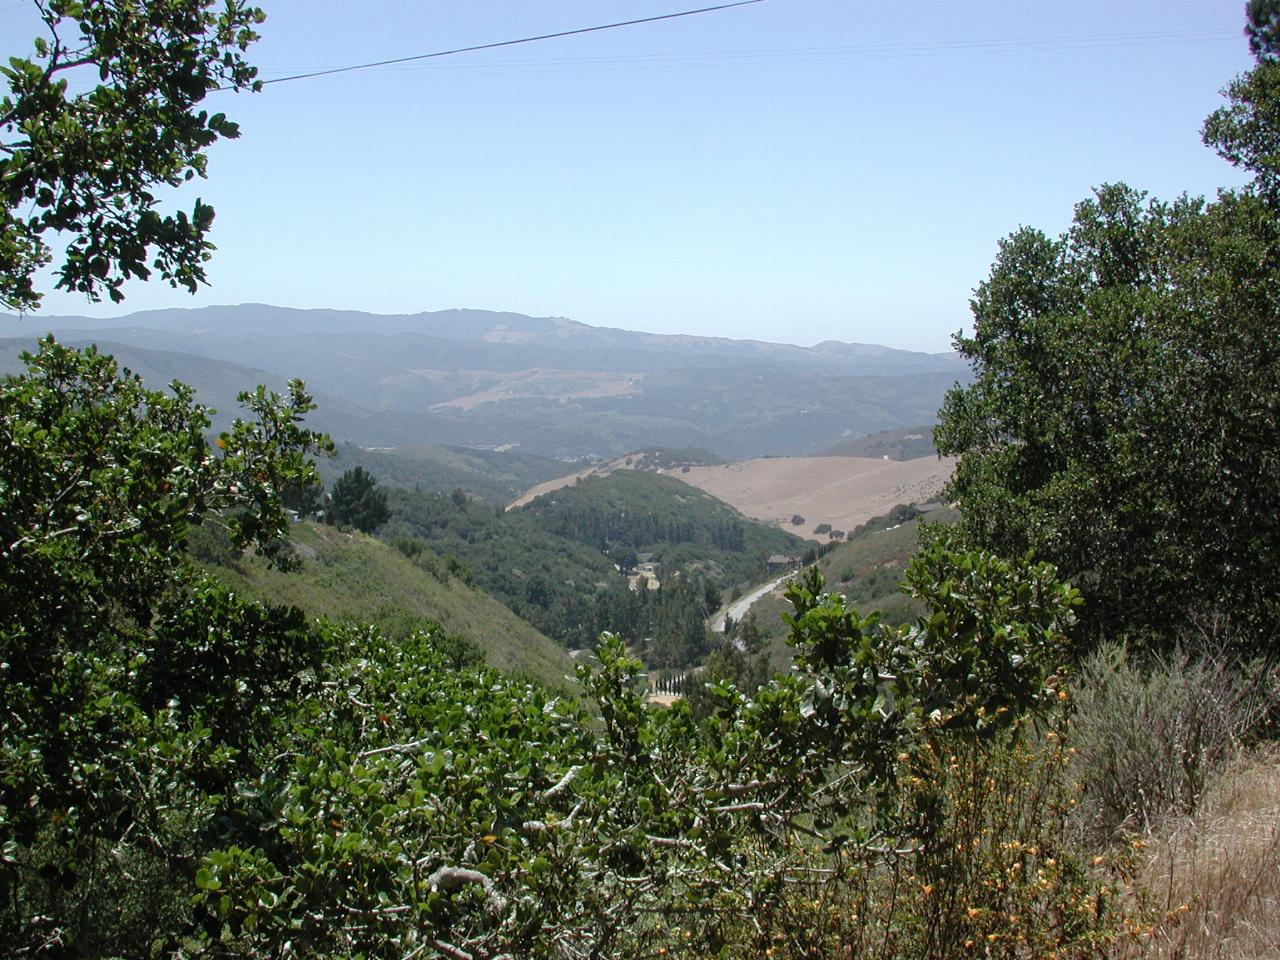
x=549 y=486
x=1215 y=875
x=841 y=491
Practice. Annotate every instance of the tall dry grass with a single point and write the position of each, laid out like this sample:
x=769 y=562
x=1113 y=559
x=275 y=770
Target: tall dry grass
x=1215 y=874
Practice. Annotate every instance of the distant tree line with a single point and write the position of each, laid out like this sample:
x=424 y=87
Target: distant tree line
x=602 y=528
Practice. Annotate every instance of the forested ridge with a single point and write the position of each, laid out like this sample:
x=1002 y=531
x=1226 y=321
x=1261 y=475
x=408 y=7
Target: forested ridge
x=1014 y=771
x=567 y=561
x=490 y=476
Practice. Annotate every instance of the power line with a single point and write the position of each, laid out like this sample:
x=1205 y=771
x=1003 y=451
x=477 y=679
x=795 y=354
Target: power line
x=509 y=43
x=825 y=54
x=884 y=51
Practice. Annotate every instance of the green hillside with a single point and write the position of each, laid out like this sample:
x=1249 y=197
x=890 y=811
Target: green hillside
x=905 y=443
x=866 y=570
x=349 y=576
x=685 y=528
x=547 y=580
x=488 y=474
x=563 y=562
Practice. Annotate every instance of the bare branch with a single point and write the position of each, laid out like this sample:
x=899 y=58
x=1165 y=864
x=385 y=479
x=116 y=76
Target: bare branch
x=562 y=784
x=451 y=878
x=409 y=747
x=740 y=807
x=449 y=950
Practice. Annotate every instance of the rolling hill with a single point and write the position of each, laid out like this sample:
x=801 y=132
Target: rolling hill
x=688 y=528
x=217 y=383
x=906 y=443
x=839 y=492
x=491 y=475
x=351 y=576
x=544 y=385
x=568 y=561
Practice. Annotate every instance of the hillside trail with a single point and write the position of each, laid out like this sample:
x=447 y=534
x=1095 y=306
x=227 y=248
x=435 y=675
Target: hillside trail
x=740 y=607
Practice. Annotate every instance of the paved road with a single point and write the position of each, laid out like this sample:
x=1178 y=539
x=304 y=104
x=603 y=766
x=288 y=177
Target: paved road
x=738 y=609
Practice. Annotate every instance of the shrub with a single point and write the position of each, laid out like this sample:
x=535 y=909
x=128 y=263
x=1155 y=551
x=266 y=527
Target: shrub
x=989 y=872
x=1151 y=735
x=409 y=547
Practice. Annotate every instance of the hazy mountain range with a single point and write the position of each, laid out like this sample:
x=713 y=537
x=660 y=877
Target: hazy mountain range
x=544 y=385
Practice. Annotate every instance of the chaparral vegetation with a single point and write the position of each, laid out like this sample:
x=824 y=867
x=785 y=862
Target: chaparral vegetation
x=1041 y=758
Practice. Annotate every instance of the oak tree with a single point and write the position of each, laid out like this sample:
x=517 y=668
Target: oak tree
x=86 y=163
x=1124 y=418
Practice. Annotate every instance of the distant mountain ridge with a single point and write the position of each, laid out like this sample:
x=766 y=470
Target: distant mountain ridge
x=548 y=385
x=491 y=327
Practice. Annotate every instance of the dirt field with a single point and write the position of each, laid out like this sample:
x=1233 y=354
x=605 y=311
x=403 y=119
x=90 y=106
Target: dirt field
x=841 y=491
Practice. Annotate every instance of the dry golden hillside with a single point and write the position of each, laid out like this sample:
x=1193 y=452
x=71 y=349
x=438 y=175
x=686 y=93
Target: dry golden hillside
x=841 y=491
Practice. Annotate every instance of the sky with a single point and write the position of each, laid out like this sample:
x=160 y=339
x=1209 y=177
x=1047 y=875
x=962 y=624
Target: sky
x=789 y=170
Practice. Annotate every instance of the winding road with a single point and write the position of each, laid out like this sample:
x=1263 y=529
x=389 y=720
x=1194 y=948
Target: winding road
x=738 y=609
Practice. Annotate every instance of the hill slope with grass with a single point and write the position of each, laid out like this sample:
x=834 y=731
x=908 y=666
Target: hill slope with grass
x=867 y=570
x=906 y=443
x=349 y=576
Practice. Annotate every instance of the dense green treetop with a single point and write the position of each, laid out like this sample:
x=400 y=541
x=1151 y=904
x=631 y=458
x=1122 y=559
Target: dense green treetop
x=102 y=478
x=85 y=165
x=128 y=684
x=659 y=514
x=355 y=500
x=1262 y=27
x=1125 y=418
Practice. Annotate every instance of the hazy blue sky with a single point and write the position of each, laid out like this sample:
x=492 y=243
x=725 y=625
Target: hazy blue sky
x=794 y=170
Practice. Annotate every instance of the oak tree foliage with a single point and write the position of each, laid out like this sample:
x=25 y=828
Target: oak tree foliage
x=1124 y=421
x=130 y=687
x=105 y=109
